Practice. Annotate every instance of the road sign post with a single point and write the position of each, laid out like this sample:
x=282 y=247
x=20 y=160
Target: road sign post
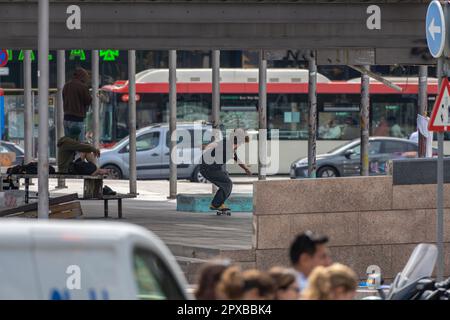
x=436 y=35
x=440 y=122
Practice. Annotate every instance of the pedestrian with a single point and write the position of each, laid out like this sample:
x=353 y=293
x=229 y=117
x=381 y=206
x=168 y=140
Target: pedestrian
x=213 y=166
x=286 y=283
x=308 y=251
x=75 y=157
x=210 y=275
x=246 y=285
x=336 y=282
x=76 y=101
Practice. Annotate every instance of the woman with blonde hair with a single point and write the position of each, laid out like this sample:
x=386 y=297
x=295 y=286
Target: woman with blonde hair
x=336 y=282
x=245 y=285
x=286 y=283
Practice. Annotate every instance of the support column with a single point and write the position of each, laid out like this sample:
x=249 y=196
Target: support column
x=60 y=81
x=43 y=74
x=215 y=111
x=312 y=125
x=95 y=98
x=364 y=123
x=262 y=112
x=28 y=130
x=132 y=119
x=173 y=123
x=423 y=103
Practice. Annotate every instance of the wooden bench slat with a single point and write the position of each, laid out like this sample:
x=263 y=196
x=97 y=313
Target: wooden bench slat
x=55 y=176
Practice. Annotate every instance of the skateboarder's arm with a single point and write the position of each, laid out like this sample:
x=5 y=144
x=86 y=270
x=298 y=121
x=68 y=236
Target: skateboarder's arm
x=242 y=165
x=212 y=145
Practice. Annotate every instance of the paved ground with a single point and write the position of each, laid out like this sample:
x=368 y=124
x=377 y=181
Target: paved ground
x=154 y=211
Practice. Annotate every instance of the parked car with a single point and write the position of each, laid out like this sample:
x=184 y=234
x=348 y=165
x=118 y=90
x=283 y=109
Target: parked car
x=6 y=146
x=345 y=159
x=152 y=153
x=61 y=260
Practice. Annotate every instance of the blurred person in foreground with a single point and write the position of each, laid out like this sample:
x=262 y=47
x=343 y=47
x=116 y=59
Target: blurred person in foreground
x=308 y=251
x=286 y=283
x=246 y=285
x=336 y=282
x=210 y=275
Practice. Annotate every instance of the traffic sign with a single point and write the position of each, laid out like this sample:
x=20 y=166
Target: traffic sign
x=440 y=117
x=3 y=57
x=435 y=29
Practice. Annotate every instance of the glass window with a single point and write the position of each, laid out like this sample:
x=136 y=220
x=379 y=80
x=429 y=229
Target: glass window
x=374 y=148
x=393 y=115
x=396 y=147
x=239 y=111
x=153 y=279
x=196 y=139
x=338 y=117
x=288 y=113
x=147 y=141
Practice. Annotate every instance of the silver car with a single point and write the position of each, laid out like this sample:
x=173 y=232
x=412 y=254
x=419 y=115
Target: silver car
x=152 y=153
x=345 y=159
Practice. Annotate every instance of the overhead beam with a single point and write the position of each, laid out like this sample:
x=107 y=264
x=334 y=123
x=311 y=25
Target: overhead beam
x=218 y=25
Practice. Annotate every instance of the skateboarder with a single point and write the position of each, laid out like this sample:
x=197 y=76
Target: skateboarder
x=213 y=167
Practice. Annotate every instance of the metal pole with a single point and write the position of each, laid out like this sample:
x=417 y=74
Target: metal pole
x=43 y=73
x=423 y=103
x=28 y=134
x=173 y=123
x=440 y=189
x=312 y=125
x=132 y=118
x=95 y=99
x=262 y=111
x=364 y=123
x=215 y=112
x=60 y=81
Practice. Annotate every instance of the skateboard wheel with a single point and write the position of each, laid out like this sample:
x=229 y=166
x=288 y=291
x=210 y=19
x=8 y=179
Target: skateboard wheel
x=218 y=213
x=228 y=213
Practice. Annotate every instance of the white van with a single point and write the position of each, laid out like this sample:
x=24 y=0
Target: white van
x=85 y=260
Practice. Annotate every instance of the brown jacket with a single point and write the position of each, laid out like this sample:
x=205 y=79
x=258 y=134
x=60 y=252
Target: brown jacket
x=67 y=148
x=76 y=96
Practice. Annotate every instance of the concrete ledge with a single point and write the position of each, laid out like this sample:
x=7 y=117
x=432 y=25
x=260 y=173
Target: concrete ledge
x=322 y=195
x=238 y=202
x=418 y=171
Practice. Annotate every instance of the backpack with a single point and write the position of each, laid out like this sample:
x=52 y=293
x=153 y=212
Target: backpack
x=29 y=168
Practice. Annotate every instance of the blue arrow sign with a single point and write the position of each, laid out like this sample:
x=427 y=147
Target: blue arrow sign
x=435 y=29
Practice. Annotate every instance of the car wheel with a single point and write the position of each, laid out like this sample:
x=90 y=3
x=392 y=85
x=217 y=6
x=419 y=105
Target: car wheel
x=327 y=172
x=197 y=176
x=114 y=171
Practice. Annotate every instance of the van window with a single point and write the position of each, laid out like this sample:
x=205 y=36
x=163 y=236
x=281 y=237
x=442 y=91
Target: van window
x=154 y=280
x=196 y=138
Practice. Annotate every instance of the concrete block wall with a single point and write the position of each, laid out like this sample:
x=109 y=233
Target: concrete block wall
x=369 y=221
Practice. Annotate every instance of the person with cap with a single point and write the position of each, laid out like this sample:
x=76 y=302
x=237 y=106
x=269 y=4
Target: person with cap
x=76 y=101
x=308 y=251
x=75 y=157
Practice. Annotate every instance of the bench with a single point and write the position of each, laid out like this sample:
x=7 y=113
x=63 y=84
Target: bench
x=92 y=189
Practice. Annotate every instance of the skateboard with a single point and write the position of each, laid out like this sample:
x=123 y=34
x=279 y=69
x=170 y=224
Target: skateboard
x=224 y=212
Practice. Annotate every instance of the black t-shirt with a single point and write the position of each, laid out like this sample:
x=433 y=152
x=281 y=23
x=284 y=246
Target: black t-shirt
x=217 y=157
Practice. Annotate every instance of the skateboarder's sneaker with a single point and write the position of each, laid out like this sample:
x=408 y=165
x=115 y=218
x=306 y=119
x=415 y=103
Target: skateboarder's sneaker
x=222 y=207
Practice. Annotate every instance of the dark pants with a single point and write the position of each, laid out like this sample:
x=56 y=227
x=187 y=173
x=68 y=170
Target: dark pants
x=220 y=178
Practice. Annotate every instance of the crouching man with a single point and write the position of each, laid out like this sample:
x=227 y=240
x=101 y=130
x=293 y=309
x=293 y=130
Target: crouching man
x=77 y=158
